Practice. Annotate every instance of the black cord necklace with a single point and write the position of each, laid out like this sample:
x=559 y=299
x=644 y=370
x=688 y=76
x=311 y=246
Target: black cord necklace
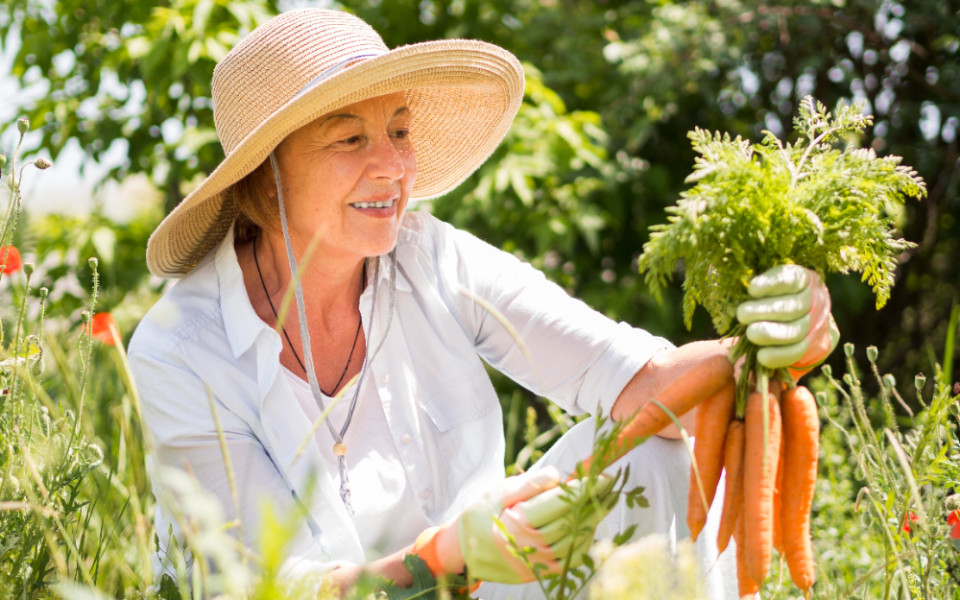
x=356 y=336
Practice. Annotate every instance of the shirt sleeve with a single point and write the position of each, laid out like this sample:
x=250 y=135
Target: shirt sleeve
x=178 y=415
x=562 y=349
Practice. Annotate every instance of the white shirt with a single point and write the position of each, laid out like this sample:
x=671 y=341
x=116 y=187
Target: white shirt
x=386 y=513
x=203 y=339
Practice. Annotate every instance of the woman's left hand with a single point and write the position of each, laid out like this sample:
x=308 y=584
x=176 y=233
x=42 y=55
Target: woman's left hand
x=789 y=318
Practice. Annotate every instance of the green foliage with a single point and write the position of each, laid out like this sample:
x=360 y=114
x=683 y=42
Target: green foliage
x=425 y=585
x=886 y=486
x=132 y=71
x=530 y=195
x=758 y=206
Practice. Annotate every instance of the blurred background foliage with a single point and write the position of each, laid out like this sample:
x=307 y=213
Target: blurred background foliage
x=597 y=152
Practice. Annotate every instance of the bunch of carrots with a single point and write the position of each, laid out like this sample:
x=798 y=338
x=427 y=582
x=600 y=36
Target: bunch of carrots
x=769 y=449
x=768 y=446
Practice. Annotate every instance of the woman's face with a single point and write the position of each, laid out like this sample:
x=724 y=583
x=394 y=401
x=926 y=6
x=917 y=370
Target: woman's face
x=348 y=176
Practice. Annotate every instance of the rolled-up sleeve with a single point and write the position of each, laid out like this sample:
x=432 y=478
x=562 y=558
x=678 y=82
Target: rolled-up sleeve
x=563 y=349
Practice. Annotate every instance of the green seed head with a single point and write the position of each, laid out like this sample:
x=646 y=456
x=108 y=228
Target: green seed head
x=919 y=381
x=85 y=316
x=23 y=125
x=28 y=268
x=952 y=502
x=828 y=371
x=848 y=350
x=93 y=262
x=889 y=380
x=872 y=353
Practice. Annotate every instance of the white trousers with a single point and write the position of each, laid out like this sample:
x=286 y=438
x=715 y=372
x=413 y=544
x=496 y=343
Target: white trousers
x=662 y=467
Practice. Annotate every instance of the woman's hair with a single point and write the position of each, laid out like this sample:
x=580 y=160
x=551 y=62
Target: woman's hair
x=256 y=200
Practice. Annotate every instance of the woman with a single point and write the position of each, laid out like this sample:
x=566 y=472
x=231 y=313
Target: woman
x=328 y=136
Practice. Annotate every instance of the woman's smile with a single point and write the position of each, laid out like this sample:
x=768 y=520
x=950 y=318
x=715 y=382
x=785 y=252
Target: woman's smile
x=376 y=208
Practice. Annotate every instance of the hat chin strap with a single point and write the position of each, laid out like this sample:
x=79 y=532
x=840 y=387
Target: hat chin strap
x=308 y=347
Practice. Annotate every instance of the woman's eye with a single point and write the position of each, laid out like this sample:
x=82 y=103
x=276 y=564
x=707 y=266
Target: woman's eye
x=401 y=134
x=352 y=140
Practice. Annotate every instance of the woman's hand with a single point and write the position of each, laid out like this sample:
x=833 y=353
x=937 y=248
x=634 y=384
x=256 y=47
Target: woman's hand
x=789 y=318
x=531 y=509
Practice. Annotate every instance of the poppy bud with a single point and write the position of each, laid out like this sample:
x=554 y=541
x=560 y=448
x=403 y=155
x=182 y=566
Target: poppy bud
x=42 y=163
x=23 y=125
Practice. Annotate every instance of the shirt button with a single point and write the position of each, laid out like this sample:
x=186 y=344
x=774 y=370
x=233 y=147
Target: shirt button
x=405 y=438
x=385 y=379
x=425 y=494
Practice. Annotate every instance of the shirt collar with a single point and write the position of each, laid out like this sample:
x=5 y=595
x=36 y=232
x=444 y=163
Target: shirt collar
x=241 y=322
x=243 y=325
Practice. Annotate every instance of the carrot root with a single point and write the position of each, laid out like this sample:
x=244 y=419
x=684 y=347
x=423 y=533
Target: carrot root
x=733 y=494
x=710 y=433
x=801 y=431
x=761 y=454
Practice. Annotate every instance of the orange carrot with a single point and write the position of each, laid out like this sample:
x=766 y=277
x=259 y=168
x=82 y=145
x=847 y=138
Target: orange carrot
x=710 y=431
x=683 y=393
x=746 y=586
x=777 y=497
x=733 y=494
x=801 y=431
x=761 y=451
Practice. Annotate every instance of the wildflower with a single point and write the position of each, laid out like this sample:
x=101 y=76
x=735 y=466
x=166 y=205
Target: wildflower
x=907 y=518
x=10 y=259
x=104 y=328
x=953 y=519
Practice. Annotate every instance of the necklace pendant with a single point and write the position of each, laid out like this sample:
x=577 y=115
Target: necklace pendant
x=339 y=448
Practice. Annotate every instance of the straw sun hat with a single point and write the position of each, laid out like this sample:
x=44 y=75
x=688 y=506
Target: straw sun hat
x=300 y=65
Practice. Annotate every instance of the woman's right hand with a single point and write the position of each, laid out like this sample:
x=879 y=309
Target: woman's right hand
x=530 y=509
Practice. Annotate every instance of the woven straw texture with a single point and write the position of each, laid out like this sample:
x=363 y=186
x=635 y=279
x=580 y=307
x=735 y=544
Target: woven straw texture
x=300 y=65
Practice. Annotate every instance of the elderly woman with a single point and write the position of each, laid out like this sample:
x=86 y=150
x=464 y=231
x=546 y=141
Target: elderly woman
x=329 y=136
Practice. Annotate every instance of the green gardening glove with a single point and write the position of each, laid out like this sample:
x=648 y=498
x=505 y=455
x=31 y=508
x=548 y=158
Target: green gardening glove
x=789 y=318
x=530 y=509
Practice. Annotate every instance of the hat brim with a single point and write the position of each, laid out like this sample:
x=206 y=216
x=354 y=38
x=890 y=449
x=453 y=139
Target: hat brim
x=463 y=95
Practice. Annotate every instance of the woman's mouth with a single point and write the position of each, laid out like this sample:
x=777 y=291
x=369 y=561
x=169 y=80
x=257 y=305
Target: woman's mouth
x=379 y=204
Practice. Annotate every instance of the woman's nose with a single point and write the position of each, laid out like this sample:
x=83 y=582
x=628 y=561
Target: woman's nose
x=388 y=160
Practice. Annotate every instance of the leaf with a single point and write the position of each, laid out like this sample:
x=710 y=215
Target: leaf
x=425 y=585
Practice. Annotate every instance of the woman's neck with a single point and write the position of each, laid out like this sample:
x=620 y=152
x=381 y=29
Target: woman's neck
x=331 y=284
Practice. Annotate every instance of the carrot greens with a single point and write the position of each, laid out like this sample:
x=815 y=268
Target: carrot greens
x=819 y=202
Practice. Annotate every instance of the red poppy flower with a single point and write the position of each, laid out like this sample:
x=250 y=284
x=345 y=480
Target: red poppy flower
x=10 y=259
x=954 y=519
x=910 y=516
x=104 y=328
